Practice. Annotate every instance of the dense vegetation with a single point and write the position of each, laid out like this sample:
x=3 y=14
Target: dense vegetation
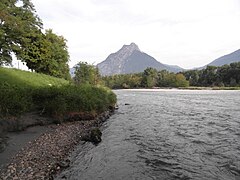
x=148 y=79
x=23 y=91
x=21 y=34
x=44 y=52
x=224 y=76
x=86 y=74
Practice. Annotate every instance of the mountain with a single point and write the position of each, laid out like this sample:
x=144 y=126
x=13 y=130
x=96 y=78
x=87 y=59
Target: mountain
x=226 y=59
x=130 y=59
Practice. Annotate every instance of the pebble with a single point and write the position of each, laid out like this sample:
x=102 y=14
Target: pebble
x=47 y=154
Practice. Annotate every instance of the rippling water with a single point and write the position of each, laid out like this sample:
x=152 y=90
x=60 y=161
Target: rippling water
x=169 y=134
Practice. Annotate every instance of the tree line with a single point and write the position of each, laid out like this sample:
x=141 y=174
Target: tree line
x=150 y=78
x=226 y=75
x=22 y=34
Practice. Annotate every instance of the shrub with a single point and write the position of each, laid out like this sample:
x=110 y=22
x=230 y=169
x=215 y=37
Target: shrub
x=71 y=98
x=21 y=92
x=15 y=100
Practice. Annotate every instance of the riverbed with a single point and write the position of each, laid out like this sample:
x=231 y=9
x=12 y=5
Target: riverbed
x=165 y=134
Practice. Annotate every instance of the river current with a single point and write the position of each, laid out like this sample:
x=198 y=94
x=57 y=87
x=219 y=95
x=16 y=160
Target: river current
x=165 y=134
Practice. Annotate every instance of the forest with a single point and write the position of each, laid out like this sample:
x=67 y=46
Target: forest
x=223 y=76
x=211 y=76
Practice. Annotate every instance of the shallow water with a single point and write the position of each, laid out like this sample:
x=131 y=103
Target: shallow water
x=170 y=134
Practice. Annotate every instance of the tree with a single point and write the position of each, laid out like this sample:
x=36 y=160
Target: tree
x=208 y=76
x=17 y=21
x=181 y=81
x=46 y=53
x=20 y=33
x=149 y=77
x=192 y=76
x=86 y=74
x=55 y=56
x=162 y=78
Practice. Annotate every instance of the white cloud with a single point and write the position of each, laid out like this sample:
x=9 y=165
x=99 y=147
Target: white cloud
x=188 y=33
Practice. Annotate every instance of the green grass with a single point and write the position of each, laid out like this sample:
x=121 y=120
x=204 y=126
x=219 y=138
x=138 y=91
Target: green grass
x=28 y=79
x=58 y=101
x=22 y=91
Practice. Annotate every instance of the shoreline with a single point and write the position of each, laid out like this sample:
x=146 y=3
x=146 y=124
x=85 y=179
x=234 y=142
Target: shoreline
x=183 y=89
x=45 y=156
x=15 y=141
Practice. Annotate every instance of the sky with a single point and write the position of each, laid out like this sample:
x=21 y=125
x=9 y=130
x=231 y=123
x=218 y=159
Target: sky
x=187 y=33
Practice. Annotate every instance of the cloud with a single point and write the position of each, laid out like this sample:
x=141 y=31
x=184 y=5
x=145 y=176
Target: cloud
x=187 y=33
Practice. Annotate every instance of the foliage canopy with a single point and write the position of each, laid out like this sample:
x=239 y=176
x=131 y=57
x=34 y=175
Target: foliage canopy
x=21 y=34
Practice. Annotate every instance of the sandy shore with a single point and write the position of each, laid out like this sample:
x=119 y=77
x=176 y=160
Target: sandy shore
x=46 y=152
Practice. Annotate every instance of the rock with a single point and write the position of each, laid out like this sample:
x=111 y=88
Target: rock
x=46 y=154
x=96 y=135
x=64 y=164
x=93 y=136
x=116 y=106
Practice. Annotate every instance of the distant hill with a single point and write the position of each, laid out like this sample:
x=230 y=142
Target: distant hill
x=129 y=59
x=226 y=59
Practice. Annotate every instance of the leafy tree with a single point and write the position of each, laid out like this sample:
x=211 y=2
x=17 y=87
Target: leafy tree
x=162 y=78
x=149 y=77
x=181 y=81
x=86 y=74
x=55 y=56
x=208 y=76
x=20 y=33
x=46 y=53
x=234 y=73
x=192 y=76
x=17 y=21
x=226 y=75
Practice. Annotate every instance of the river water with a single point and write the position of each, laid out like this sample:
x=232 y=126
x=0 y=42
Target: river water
x=165 y=134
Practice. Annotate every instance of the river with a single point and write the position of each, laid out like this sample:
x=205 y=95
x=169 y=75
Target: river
x=165 y=134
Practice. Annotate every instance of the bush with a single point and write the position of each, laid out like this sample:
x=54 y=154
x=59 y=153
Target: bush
x=85 y=98
x=21 y=92
x=15 y=100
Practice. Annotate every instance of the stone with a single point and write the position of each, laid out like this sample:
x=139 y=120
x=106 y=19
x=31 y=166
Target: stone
x=96 y=135
x=93 y=136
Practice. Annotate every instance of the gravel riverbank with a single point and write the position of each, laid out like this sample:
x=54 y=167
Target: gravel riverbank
x=46 y=155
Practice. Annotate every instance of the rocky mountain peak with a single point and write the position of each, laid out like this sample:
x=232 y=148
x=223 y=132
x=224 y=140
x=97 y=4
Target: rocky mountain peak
x=129 y=59
x=132 y=47
x=127 y=50
x=115 y=61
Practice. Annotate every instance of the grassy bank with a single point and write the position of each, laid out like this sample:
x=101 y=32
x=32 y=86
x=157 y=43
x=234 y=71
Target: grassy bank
x=22 y=92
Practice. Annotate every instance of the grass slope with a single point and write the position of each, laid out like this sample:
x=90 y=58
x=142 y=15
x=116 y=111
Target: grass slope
x=28 y=79
x=22 y=91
